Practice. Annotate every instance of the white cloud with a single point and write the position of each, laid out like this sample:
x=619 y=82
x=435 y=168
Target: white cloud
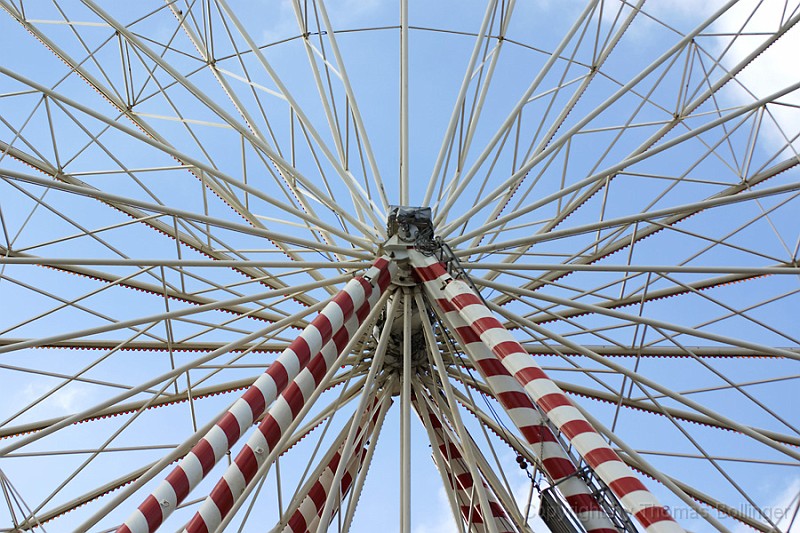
x=771 y=71
x=783 y=508
x=442 y=522
x=69 y=399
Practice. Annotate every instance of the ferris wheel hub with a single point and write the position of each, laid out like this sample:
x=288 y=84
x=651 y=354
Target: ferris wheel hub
x=409 y=223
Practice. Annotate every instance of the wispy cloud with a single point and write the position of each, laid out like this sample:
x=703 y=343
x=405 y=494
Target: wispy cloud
x=771 y=71
x=768 y=73
x=783 y=509
x=441 y=522
x=64 y=401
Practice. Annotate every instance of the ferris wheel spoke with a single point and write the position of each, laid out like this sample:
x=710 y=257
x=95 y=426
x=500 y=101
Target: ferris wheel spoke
x=159 y=400
x=639 y=233
x=58 y=375
x=455 y=192
x=236 y=125
x=182 y=158
x=640 y=295
x=677 y=48
x=599 y=177
x=710 y=93
x=70 y=304
x=650 y=384
x=43 y=517
x=743 y=313
x=459 y=109
x=585 y=82
x=149 y=346
x=18 y=256
x=352 y=102
x=633 y=270
x=737 y=312
x=125 y=107
x=169 y=377
x=170 y=211
x=736 y=386
x=662 y=410
x=655 y=351
x=733 y=483
x=201 y=44
x=86 y=463
x=634 y=319
x=725 y=459
x=404 y=184
x=254 y=220
x=680 y=210
x=220 y=76
x=357 y=193
x=130 y=281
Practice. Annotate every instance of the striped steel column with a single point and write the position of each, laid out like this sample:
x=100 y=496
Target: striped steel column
x=253 y=403
x=459 y=297
x=519 y=407
x=305 y=517
x=461 y=480
x=277 y=420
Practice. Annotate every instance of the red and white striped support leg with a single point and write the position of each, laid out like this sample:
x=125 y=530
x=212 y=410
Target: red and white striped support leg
x=305 y=517
x=280 y=415
x=461 y=480
x=520 y=408
x=251 y=406
x=555 y=405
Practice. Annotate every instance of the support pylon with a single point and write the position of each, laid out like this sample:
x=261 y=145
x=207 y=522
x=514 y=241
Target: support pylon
x=455 y=295
x=461 y=482
x=305 y=514
x=328 y=327
x=521 y=409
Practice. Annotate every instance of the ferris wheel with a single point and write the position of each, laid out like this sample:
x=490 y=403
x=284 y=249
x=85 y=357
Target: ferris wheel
x=308 y=265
